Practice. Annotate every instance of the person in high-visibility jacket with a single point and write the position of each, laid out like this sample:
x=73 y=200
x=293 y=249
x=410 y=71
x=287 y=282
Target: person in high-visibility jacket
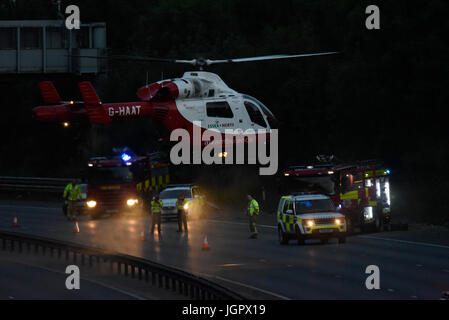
x=72 y=193
x=253 y=211
x=182 y=213
x=156 y=209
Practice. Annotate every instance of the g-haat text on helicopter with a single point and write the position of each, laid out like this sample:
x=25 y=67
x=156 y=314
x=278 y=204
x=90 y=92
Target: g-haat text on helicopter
x=176 y=103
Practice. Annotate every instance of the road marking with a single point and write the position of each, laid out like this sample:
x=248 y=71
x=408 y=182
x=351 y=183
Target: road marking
x=230 y=265
x=248 y=286
x=243 y=224
x=407 y=242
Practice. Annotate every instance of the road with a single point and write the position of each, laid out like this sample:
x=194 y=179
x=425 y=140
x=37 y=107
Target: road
x=19 y=282
x=413 y=265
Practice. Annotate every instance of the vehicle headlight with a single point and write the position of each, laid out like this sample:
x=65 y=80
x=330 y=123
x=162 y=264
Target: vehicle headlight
x=186 y=206
x=338 y=221
x=132 y=202
x=310 y=223
x=368 y=213
x=91 y=204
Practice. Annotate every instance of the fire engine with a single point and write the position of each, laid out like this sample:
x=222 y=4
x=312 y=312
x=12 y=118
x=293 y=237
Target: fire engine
x=360 y=190
x=124 y=182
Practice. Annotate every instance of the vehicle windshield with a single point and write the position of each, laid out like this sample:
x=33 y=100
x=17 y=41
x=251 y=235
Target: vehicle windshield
x=264 y=108
x=175 y=193
x=321 y=184
x=110 y=175
x=313 y=206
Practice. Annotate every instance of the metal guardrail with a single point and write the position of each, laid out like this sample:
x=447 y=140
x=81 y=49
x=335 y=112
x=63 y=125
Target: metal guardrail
x=55 y=185
x=186 y=284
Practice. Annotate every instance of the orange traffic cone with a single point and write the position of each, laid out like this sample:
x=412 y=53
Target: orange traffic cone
x=142 y=235
x=76 y=228
x=15 y=222
x=205 y=243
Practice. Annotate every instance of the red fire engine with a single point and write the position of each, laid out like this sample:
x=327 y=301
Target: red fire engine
x=124 y=182
x=360 y=190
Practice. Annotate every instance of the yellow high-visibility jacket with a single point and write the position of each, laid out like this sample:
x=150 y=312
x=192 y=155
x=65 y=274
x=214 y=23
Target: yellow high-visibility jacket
x=180 y=203
x=253 y=207
x=72 y=193
x=156 y=206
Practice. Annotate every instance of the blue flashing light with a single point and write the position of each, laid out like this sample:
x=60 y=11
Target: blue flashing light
x=387 y=171
x=125 y=157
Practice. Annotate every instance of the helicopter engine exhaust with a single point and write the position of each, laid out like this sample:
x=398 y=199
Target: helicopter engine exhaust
x=167 y=90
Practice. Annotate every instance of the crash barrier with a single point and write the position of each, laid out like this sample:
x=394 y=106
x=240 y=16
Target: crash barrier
x=177 y=281
x=55 y=185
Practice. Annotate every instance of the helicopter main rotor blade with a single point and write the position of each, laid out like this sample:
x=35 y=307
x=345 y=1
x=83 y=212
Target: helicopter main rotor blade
x=135 y=58
x=270 y=57
x=205 y=62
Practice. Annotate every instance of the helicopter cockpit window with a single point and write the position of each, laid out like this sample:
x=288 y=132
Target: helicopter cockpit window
x=219 y=109
x=254 y=114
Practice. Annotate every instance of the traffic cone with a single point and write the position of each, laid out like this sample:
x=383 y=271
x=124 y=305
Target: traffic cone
x=76 y=228
x=15 y=222
x=205 y=243
x=142 y=235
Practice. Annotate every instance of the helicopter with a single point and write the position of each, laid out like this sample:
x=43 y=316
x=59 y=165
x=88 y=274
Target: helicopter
x=198 y=98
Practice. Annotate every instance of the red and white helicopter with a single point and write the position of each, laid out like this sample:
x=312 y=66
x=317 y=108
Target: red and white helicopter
x=198 y=98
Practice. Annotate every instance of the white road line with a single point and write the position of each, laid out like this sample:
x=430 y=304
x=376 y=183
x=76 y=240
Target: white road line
x=248 y=286
x=243 y=224
x=407 y=242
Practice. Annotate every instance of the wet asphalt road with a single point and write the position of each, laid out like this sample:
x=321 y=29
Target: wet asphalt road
x=412 y=265
x=20 y=281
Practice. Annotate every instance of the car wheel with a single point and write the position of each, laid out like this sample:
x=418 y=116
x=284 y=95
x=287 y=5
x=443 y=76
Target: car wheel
x=299 y=237
x=342 y=240
x=282 y=236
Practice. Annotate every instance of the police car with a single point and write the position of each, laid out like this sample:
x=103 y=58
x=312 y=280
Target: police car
x=307 y=216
